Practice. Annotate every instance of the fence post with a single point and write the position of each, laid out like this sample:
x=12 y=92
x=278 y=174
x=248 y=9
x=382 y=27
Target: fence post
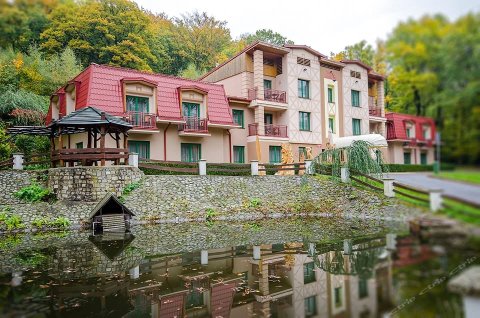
x=345 y=175
x=256 y=252
x=133 y=159
x=388 y=187
x=204 y=257
x=308 y=167
x=134 y=272
x=18 y=161
x=436 y=199
x=202 y=167
x=254 y=167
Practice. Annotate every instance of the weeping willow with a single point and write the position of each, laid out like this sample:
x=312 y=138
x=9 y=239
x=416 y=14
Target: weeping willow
x=357 y=157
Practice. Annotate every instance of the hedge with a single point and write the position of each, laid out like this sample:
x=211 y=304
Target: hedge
x=415 y=168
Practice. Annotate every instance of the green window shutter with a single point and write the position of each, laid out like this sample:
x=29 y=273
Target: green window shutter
x=191 y=152
x=423 y=158
x=331 y=124
x=267 y=84
x=79 y=145
x=308 y=273
x=304 y=121
x=303 y=88
x=407 y=158
x=137 y=104
x=355 y=98
x=238 y=154
x=330 y=94
x=191 y=109
x=238 y=117
x=140 y=147
x=362 y=287
x=275 y=154
x=310 y=306
x=356 y=127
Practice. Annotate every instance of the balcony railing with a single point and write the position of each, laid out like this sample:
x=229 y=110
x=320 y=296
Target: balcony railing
x=194 y=124
x=140 y=120
x=270 y=130
x=271 y=95
x=371 y=102
x=375 y=111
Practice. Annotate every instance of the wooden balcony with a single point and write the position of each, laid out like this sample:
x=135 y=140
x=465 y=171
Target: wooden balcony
x=194 y=125
x=271 y=95
x=280 y=131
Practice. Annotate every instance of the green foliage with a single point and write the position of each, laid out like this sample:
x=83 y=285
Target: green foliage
x=361 y=51
x=60 y=222
x=30 y=258
x=255 y=203
x=33 y=193
x=130 y=187
x=415 y=168
x=210 y=216
x=5 y=146
x=11 y=221
x=265 y=35
x=29 y=145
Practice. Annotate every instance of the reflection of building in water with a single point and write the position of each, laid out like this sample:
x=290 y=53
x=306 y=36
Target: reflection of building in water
x=351 y=279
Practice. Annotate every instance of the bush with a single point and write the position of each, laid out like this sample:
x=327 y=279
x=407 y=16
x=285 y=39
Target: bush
x=13 y=222
x=415 y=168
x=129 y=188
x=33 y=193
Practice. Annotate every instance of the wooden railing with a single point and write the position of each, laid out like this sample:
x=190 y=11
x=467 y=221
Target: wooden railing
x=140 y=120
x=270 y=130
x=371 y=102
x=272 y=95
x=181 y=167
x=274 y=168
x=194 y=124
x=88 y=155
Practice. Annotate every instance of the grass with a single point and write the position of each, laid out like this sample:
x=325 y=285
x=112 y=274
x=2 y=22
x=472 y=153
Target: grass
x=464 y=175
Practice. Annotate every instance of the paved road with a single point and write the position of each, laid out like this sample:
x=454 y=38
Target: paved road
x=423 y=180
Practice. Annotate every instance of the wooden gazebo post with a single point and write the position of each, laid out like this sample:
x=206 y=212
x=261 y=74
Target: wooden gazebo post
x=125 y=145
x=102 y=140
x=60 y=145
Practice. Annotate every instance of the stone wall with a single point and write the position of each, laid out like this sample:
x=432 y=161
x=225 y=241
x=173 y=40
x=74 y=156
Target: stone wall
x=91 y=183
x=13 y=180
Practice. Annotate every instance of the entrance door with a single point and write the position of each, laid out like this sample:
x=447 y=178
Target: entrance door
x=191 y=110
x=268 y=119
x=423 y=158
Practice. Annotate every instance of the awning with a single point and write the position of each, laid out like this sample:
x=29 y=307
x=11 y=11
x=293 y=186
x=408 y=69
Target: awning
x=375 y=140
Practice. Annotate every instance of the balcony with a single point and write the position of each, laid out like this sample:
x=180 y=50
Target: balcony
x=375 y=111
x=140 y=120
x=279 y=131
x=193 y=126
x=271 y=95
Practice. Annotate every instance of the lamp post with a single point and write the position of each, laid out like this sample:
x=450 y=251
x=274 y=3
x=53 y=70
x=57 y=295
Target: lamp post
x=436 y=167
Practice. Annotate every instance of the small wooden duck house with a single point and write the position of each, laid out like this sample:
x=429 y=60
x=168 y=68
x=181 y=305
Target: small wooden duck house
x=110 y=215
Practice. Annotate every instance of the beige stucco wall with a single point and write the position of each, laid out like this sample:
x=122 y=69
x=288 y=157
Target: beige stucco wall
x=350 y=112
x=396 y=150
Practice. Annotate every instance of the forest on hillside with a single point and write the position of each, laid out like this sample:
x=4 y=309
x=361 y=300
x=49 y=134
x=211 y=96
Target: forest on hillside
x=431 y=63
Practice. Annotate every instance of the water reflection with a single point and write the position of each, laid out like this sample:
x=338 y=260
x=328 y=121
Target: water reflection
x=112 y=276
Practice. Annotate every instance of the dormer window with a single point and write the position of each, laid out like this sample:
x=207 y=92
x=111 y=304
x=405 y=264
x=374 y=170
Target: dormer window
x=140 y=95
x=70 y=95
x=137 y=104
x=426 y=131
x=410 y=130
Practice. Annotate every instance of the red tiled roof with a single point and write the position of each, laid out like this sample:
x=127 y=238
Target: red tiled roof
x=396 y=121
x=100 y=86
x=358 y=63
x=306 y=48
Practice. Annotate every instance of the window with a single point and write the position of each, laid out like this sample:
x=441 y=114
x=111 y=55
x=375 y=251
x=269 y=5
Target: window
x=423 y=158
x=140 y=147
x=303 y=88
x=330 y=94
x=268 y=61
x=267 y=84
x=356 y=126
x=407 y=158
x=355 y=74
x=362 y=288
x=331 y=124
x=408 y=132
x=191 y=109
x=302 y=152
x=191 y=152
x=304 y=121
x=310 y=306
x=137 y=104
x=268 y=119
x=410 y=129
x=338 y=296
x=79 y=145
x=275 y=154
x=355 y=98
x=238 y=154
x=238 y=117
x=303 y=61
x=308 y=273
x=426 y=132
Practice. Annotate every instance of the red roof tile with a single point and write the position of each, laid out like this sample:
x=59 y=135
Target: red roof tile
x=397 y=122
x=100 y=87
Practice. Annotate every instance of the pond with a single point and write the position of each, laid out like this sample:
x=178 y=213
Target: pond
x=282 y=268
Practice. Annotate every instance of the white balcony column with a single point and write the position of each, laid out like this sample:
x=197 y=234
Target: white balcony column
x=256 y=252
x=308 y=167
x=258 y=73
x=436 y=199
x=133 y=159
x=254 y=167
x=204 y=257
x=134 y=272
x=388 y=187
x=345 y=175
x=202 y=167
x=18 y=161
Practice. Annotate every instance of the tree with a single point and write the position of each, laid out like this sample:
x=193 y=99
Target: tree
x=203 y=38
x=361 y=51
x=265 y=35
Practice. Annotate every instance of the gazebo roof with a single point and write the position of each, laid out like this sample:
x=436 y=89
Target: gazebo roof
x=88 y=117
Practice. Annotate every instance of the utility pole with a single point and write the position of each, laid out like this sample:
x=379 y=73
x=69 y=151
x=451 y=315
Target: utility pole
x=437 y=143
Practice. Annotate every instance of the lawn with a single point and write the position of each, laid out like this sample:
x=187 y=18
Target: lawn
x=470 y=176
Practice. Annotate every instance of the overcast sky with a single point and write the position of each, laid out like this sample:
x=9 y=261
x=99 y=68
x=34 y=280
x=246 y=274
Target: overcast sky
x=324 y=25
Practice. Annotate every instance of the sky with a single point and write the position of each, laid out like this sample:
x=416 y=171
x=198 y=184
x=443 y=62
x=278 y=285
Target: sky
x=327 y=26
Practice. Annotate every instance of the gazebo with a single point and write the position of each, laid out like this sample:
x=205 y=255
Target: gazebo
x=96 y=124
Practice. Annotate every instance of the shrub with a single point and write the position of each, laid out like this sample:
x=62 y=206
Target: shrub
x=13 y=222
x=255 y=203
x=415 y=168
x=129 y=188
x=39 y=223
x=61 y=222
x=33 y=193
